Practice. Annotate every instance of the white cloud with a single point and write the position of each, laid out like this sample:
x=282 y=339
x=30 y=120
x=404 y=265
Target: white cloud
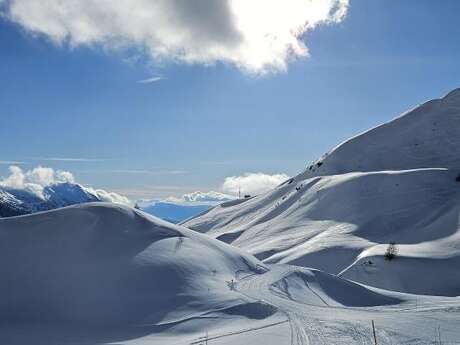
x=193 y=198
x=249 y=183
x=66 y=159
x=252 y=183
x=256 y=35
x=135 y=172
x=109 y=196
x=203 y=197
x=10 y=162
x=35 y=180
x=47 y=176
x=210 y=196
x=150 y=80
x=16 y=178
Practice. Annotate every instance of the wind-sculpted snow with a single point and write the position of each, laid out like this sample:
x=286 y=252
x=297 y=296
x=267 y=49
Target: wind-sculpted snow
x=417 y=271
x=106 y=274
x=314 y=287
x=101 y=263
x=327 y=222
x=398 y=182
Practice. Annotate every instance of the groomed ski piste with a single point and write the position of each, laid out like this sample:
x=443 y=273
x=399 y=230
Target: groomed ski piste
x=110 y=274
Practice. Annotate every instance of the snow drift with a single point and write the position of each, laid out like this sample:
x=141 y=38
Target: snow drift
x=313 y=287
x=104 y=263
x=396 y=183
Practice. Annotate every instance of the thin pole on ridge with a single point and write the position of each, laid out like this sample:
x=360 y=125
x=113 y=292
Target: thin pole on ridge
x=373 y=332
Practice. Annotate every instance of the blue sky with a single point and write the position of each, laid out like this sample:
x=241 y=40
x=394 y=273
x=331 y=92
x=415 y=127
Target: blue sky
x=200 y=123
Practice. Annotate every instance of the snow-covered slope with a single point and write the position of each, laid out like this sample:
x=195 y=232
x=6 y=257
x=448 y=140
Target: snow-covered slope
x=101 y=273
x=394 y=183
x=101 y=263
x=317 y=288
x=14 y=202
x=425 y=137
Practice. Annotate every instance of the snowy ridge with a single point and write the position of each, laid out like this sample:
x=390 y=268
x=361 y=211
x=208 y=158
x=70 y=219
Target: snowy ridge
x=101 y=263
x=425 y=137
x=394 y=183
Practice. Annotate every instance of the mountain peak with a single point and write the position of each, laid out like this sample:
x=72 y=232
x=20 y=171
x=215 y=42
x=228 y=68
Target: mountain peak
x=397 y=182
x=20 y=201
x=426 y=136
x=453 y=96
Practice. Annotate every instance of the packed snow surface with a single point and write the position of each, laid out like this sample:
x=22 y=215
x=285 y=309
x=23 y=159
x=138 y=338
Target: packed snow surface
x=398 y=182
x=101 y=263
x=108 y=274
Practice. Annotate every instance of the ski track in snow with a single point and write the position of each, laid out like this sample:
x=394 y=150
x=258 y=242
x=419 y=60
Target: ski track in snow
x=309 y=327
x=304 y=331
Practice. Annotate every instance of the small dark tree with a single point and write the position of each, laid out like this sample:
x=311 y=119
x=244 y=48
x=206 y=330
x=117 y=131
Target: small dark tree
x=391 y=252
x=457 y=178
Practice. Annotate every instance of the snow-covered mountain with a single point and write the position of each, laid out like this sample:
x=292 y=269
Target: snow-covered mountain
x=100 y=273
x=20 y=201
x=102 y=263
x=398 y=182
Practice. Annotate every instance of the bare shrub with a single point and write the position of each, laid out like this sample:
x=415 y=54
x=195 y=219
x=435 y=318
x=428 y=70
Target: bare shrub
x=391 y=252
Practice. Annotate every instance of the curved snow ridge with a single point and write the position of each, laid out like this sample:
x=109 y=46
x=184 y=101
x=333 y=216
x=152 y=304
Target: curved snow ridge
x=398 y=182
x=426 y=136
x=106 y=263
x=422 y=275
x=313 y=287
x=327 y=222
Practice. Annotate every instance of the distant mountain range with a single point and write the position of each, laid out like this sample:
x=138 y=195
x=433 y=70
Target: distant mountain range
x=21 y=201
x=16 y=202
